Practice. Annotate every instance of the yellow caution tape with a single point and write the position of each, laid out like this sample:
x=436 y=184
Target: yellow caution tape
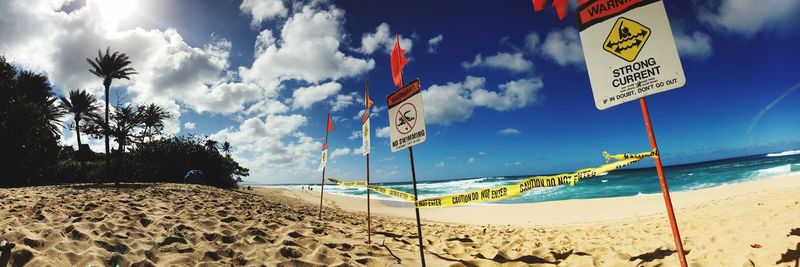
x=393 y=193
x=343 y=183
x=653 y=153
x=380 y=189
x=509 y=191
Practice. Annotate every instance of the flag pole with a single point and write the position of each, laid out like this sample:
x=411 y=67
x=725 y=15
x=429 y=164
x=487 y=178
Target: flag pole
x=322 y=182
x=366 y=113
x=664 y=189
x=397 y=62
x=416 y=209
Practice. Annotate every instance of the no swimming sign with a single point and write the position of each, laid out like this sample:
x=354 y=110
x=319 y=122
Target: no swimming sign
x=629 y=50
x=406 y=117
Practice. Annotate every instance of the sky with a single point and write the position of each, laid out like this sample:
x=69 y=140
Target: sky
x=505 y=89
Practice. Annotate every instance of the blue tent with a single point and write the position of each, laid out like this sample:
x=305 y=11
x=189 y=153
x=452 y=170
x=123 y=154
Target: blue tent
x=195 y=177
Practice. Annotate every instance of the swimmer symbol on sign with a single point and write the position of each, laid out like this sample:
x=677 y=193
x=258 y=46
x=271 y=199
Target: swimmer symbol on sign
x=405 y=117
x=626 y=39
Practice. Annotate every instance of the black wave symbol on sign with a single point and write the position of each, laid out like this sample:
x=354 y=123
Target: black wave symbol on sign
x=634 y=44
x=641 y=33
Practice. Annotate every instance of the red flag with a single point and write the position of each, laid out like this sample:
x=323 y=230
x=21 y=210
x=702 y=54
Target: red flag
x=560 y=6
x=330 y=125
x=398 y=61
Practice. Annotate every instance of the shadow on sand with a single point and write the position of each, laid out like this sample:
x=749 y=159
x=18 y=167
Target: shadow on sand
x=791 y=255
x=658 y=254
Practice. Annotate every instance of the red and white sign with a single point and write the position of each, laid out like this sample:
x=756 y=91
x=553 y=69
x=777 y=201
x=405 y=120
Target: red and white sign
x=629 y=50
x=406 y=117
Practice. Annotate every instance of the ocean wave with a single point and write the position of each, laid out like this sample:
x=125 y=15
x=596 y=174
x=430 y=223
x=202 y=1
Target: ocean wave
x=701 y=186
x=784 y=153
x=769 y=172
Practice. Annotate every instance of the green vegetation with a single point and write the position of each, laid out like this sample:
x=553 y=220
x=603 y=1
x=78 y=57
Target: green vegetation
x=32 y=116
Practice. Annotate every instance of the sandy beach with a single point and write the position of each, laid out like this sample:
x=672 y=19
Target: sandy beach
x=748 y=224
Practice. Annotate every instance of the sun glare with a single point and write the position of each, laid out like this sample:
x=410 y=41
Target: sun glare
x=114 y=11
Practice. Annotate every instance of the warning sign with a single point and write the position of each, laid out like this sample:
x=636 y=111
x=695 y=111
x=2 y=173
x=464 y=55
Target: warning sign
x=629 y=50
x=626 y=39
x=406 y=117
x=365 y=135
x=324 y=160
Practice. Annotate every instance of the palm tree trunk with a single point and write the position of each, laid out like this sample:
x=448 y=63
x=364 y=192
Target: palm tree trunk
x=108 y=147
x=78 y=131
x=78 y=134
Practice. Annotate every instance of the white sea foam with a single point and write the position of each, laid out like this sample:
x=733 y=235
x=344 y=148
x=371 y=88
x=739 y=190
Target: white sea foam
x=769 y=172
x=784 y=153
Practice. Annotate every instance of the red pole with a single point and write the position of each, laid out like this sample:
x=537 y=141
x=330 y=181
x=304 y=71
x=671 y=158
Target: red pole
x=321 y=191
x=366 y=113
x=676 y=234
x=322 y=182
x=369 y=231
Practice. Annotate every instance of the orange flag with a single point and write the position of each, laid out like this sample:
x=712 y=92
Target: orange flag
x=398 y=61
x=330 y=125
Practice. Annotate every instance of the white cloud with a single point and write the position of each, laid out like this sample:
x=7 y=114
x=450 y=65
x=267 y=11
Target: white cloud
x=382 y=38
x=433 y=43
x=471 y=160
x=340 y=152
x=354 y=135
x=266 y=107
x=508 y=131
x=482 y=153
x=747 y=17
x=382 y=132
x=375 y=111
x=343 y=101
x=511 y=62
x=305 y=97
x=308 y=50
x=696 y=45
x=262 y=10
x=264 y=40
x=273 y=147
x=189 y=125
x=456 y=101
x=440 y=164
x=564 y=47
x=532 y=41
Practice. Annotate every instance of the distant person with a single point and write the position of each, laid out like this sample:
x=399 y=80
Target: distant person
x=248 y=188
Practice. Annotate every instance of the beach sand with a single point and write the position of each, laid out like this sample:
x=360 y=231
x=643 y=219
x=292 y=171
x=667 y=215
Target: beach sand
x=755 y=223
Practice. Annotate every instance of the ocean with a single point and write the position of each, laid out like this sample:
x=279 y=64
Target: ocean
x=625 y=182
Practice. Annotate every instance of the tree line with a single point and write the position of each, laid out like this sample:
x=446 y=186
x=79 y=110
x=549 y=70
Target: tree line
x=32 y=115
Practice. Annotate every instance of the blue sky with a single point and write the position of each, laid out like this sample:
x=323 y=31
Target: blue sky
x=264 y=74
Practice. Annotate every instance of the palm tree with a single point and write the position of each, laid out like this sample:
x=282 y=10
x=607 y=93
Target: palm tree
x=153 y=120
x=50 y=116
x=226 y=147
x=126 y=120
x=80 y=104
x=110 y=67
x=210 y=145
